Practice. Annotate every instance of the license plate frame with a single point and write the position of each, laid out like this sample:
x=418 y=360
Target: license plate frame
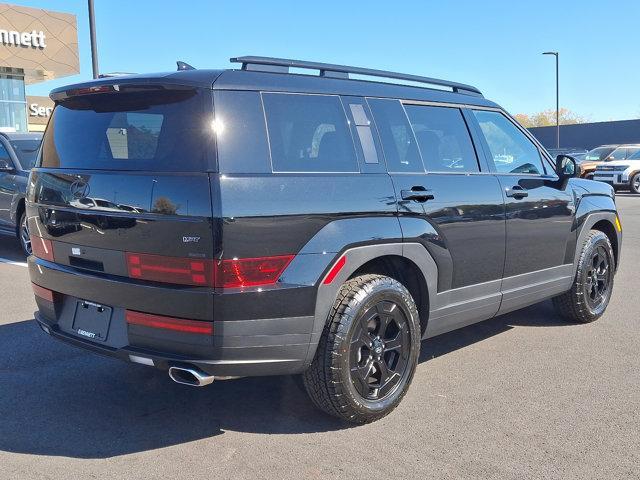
x=92 y=320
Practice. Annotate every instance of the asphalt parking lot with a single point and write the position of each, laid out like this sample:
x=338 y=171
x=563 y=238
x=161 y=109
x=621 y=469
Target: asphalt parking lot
x=521 y=396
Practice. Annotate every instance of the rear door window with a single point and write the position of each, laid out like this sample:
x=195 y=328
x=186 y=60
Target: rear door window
x=308 y=133
x=443 y=139
x=153 y=130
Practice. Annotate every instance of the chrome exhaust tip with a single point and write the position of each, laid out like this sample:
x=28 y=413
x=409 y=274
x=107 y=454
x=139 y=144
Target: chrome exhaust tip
x=190 y=376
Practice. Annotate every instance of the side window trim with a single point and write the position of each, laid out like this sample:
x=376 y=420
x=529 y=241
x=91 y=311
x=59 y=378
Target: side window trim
x=385 y=154
x=355 y=125
x=479 y=142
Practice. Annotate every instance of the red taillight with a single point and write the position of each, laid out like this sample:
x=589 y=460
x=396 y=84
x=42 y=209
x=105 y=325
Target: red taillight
x=249 y=272
x=335 y=270
x=243 y=272
x=42 y=292
x=42 y=248
x=184 y=271
x=169 y=323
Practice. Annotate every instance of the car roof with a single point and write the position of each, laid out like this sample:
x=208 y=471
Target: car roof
x=275 y=81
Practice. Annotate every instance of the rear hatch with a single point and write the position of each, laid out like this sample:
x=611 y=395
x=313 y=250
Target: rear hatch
x=122 y=194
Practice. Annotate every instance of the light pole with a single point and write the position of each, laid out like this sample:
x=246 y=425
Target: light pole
x=92 y=34
x=557 y=98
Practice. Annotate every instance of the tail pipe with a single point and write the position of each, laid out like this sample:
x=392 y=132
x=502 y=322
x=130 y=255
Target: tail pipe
x=190 y=376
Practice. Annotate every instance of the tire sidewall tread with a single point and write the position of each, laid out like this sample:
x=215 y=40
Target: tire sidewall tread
x=327 y=380
x=572 y=305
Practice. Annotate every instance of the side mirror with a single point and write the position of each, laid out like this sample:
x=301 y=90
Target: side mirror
x=566 y=167
x=6 y=165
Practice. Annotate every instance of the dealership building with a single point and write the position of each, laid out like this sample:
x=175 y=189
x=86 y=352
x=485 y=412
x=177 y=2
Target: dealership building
x=35 y=45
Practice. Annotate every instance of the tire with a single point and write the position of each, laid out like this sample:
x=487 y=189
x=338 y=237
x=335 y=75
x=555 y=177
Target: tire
x=22 y=231
x=372 y=334
x=634 y=184
x=591 y=290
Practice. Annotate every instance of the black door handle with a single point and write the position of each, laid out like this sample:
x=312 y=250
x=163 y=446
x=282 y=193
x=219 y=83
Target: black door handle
x=516 y=192
x=419 y=194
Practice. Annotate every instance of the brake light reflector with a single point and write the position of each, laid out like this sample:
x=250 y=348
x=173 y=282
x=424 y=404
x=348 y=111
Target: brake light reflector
x=42 y=248
x=169 y=323
x=333 y=273
x=247 y=272
x=42 y=292
x=91 y=90
x=157 y=268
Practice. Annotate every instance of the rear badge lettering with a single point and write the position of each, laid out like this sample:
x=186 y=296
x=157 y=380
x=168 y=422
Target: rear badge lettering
x=190 y=239
x=84 y=333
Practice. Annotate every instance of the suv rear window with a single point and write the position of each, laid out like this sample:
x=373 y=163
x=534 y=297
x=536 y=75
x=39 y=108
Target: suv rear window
x=308 y=133
x=154 y=130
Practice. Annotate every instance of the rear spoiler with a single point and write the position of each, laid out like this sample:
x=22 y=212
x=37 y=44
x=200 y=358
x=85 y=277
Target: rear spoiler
x=60 y=94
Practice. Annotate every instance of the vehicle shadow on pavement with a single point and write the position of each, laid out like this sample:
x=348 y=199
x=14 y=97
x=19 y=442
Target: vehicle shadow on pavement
x=61 y=401
x=10 y=249
x=539 y=315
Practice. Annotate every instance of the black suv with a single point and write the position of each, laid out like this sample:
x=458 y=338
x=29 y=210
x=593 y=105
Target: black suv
x=226 y=223
x=18 y=154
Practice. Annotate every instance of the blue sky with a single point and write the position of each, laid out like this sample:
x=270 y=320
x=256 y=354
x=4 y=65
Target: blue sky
x=494 y=45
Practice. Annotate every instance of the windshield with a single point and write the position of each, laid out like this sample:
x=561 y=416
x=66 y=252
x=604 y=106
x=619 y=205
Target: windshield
x=597 y=154
x=27 y=152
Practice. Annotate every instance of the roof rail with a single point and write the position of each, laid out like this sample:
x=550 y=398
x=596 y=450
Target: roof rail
x=282 y=65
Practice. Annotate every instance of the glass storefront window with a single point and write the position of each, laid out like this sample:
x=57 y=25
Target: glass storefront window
x=13 y=104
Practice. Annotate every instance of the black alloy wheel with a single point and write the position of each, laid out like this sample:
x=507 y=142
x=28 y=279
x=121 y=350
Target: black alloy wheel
x=379 y=351
x=592 y=286
x=23 y=234
x=598 y=278
x=368 y=351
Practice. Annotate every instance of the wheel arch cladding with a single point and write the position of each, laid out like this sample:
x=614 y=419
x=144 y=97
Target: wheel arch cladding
x=368 y=257
x=608 y=228
x=604 y=222
x=408 y=274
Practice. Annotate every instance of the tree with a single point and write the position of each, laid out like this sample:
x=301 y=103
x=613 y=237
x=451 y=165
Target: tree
x=547 y=118
x=165 y=206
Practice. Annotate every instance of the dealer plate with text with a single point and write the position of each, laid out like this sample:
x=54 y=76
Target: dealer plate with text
x=92 y=320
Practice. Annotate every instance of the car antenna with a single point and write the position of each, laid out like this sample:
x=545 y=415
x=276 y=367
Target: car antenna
x=184 y=65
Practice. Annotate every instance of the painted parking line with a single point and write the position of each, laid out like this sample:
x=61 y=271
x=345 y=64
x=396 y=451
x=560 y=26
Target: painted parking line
x=12 y=262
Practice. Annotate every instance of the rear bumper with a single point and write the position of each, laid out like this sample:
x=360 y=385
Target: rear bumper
x=282 y=362
x=249 y=347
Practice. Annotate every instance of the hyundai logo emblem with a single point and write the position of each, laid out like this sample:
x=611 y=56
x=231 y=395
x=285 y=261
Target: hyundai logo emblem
x=79 y=189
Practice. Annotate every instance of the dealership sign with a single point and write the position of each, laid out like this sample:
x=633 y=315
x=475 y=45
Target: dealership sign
x=39 y=109
x=39 y=43
x=33 y=38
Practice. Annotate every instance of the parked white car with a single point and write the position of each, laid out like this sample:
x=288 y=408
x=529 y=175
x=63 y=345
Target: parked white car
x=622 y=174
